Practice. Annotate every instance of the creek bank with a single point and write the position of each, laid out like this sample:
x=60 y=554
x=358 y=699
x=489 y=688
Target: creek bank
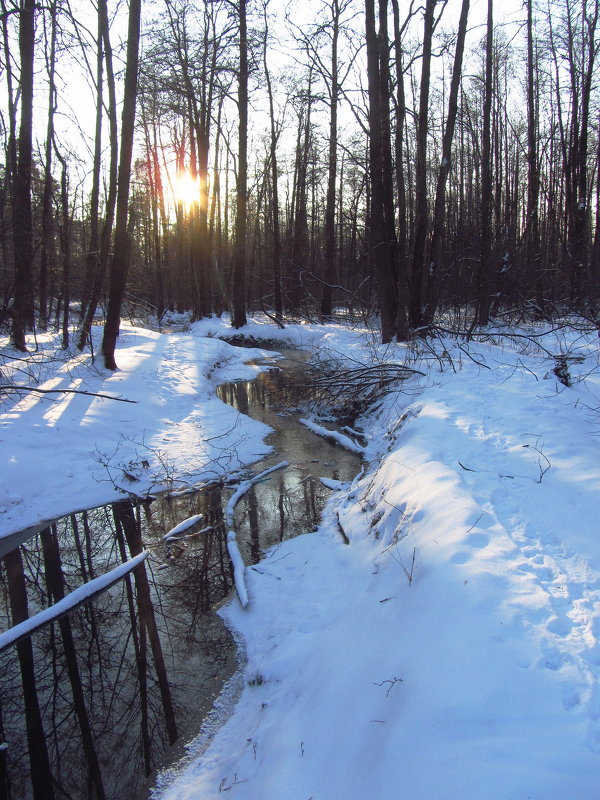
x=184 y=581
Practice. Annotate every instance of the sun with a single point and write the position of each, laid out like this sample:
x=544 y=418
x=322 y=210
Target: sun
x=186 y=189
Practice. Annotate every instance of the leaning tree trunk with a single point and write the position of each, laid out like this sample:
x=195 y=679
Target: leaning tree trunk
x=111 y=197
x=122 y=244
x=421 y=212
x=439 y=211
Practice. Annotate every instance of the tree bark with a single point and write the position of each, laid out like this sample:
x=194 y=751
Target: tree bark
x=484 y=299
x=23 y=309
x=533 y=255
x=381 y=250
x=402 y=327
x=329 y=272
x=240 y=256
x=46 y=245
x=107 y=225
x=421 y=210
x=277 y=299
x=439 y=215
x=122 y=244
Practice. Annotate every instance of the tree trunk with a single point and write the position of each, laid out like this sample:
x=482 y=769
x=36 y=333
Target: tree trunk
x=240 y=256
x=381 y=250
x=439 y=215
x=106 y=232
x=329 y=272
x=277 y=299
x=47 y=243
x=65 y=246
x=533 y=265
x=485 y=266
x=23 y=310
x=122 y=244
x=421 y=210
x=402 y=327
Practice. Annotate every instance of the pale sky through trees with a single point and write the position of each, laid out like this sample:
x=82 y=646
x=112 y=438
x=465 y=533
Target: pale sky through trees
x=76 y=91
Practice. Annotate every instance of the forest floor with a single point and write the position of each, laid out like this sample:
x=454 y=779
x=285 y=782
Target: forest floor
x=452 y=648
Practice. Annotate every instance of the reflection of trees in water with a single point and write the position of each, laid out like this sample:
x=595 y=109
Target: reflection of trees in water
x=88 y=703
x=276 y=510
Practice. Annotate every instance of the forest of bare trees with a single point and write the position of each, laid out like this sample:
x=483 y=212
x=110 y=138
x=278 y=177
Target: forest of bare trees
x=340 y=157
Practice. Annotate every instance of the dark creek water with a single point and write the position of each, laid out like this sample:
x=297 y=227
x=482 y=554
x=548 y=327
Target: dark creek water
x=91 y=704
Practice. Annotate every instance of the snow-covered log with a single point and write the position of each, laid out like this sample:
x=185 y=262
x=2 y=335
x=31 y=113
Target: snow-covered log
x=335 y=486
x=75 y=598
x=244 y=487
x=334 y=436
x=238 y=568
x=183 y=526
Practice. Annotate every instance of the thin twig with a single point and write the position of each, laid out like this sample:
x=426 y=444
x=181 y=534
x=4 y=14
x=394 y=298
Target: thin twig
x=12 y=388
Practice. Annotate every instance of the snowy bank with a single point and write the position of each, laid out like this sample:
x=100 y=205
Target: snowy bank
x=452 y=649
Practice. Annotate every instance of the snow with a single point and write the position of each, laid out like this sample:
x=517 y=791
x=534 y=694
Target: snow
x=452 y=648
x=239 y=569
x=183 y=526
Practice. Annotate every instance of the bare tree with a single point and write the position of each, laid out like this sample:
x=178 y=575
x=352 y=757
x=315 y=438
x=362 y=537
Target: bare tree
x=421 y=203
x=241 y=216
x=23 y=309
x=483 y=302
x=439 y=209
x=122 y=244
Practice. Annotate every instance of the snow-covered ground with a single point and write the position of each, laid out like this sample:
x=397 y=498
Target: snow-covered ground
x=452 y=649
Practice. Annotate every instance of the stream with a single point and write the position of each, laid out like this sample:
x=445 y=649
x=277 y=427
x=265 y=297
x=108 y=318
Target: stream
x=92 y=704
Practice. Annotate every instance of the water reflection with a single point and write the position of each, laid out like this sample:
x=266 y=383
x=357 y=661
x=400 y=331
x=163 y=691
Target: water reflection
x=291 y=501
x=90 y=702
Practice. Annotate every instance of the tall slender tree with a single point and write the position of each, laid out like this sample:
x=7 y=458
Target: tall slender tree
x=240 y=255
x=421 y=201
x=434 y=260
x=122 y=243
x=381 y=246
x=484 y=288
x=23 y=308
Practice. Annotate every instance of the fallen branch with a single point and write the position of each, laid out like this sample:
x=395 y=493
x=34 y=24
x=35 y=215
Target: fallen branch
x=9 y=387
x=341 y=530
x=334 y=436
x=239 y=569
x=83 y=594
x=244 y=487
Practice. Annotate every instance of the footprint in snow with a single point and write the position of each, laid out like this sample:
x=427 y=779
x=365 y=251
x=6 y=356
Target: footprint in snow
x=478 y=540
